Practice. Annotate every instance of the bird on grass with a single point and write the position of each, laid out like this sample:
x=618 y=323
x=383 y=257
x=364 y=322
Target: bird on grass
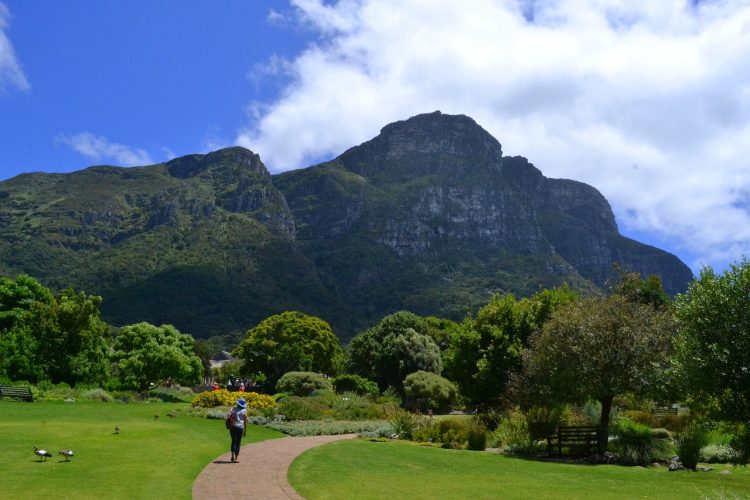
x=117 y=429
x=42 y=454
x=66 y=453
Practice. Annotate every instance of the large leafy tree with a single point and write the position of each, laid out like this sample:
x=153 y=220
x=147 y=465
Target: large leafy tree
x=74 y=341
x=146 y=356
x=713 y=350
x=599 y=348
x=486 y=349
x=43 y=337
x=290 y=341
x=398 y=345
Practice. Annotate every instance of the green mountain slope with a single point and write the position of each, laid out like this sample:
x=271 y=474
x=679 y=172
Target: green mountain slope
x=427 y=216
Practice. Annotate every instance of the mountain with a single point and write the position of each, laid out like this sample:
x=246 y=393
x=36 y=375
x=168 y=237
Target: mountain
x=427 y=216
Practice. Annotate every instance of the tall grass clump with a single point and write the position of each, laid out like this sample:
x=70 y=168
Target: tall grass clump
x=404 y=423
x=476 y=437
x=689 y=443
x=638 y=444
x=543 y=421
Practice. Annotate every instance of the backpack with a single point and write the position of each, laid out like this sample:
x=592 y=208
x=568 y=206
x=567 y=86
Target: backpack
x=229 y=421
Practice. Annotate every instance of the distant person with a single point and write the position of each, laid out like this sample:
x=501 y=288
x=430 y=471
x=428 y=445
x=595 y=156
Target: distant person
x=238 y=427
x=242 y=387
x=216 y=386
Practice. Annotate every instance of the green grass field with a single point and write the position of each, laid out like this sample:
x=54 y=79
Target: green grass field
x=149 y=458
x=362 y=469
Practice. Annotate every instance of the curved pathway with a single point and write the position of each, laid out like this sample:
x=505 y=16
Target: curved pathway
x=261 y=471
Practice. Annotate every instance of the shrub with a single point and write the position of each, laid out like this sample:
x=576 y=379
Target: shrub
x=661 y=433
x=641 y=417
x=98 y=395
x=222 y=397
x=717 y=454
x=355 y=383
x=543 y=421
x=690 y=442
x=451 y=432
x=302 y=383
x=329 y=405
x=352 y=406
x=489 y=419
x=512 y=435
x=741 y=445
x=674 y=423
x=476 y=437
x=298 y=408
x=46 y=390
x=328 y=427
x=438 y=393
x=390 y=396
x=637 y=444
x=404 y=423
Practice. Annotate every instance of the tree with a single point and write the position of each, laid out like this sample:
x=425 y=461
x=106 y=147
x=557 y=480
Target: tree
x=290 y=341
x=487 y=349
x=44 y=337
x=429 y=391
x=397 y=346
x=713 y=350
x=74 y=341
x=597 y=349
x=636 y=288
x=146 y=356
x=16 y=298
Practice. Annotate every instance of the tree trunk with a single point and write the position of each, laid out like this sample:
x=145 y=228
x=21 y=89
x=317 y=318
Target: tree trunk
x=604 y=423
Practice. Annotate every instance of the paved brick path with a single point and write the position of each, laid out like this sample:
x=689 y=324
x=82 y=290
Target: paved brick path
x=261 y=472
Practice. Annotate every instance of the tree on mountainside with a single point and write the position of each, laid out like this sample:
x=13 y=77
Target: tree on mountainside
x=145 y=356
x=290 y=341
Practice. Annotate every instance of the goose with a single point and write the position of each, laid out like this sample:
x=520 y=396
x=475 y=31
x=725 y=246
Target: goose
x=66 y=453
x=42 y=454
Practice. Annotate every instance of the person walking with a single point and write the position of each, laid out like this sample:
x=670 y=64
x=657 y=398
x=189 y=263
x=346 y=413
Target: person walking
x=238 y=427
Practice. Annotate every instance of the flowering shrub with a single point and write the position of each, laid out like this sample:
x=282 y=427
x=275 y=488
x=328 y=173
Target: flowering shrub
x=253 y=400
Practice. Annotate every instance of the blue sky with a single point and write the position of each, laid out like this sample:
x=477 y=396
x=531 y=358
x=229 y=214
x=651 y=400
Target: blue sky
x=647 y=101
x=159 y=78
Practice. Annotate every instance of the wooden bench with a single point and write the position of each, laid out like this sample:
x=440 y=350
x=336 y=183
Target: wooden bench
x=664 y=411
x=16 y=392
x=581 y=437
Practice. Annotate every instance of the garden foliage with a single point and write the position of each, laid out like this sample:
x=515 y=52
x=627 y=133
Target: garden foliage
x=302 y=383
x=426 y=390
x=222 y=397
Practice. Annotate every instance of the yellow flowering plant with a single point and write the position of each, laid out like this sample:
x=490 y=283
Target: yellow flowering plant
x=223 y=397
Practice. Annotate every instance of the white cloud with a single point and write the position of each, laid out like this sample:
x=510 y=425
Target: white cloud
x=647 y=101
x=11 y=74
x=98 y=148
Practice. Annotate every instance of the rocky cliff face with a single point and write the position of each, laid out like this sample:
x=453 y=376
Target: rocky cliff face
x=427 y=216
x=438 y=184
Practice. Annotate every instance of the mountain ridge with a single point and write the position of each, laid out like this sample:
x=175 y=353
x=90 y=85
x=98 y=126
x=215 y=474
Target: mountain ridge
x=427 y=216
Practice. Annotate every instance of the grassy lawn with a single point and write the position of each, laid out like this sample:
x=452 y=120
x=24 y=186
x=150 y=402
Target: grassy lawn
x=149 y=458
x=363 y=469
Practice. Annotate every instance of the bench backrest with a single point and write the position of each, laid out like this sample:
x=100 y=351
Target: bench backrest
x=577 y=433
x=18 y=391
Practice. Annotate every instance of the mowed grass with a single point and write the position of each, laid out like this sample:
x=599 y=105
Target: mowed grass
x=361 y=469
x=149 y=458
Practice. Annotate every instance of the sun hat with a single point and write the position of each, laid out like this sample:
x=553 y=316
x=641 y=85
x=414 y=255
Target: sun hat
x=241 y=402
